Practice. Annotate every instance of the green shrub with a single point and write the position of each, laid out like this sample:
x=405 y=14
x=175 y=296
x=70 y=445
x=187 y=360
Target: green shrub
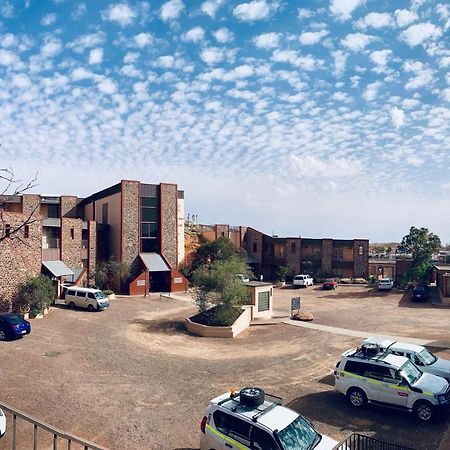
x=281 y=273
x=108 y=292
x=34 y=295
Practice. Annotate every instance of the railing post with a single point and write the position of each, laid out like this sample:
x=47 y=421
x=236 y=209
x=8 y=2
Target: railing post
x=35 y=428
x=14 y=432
x=55 y=442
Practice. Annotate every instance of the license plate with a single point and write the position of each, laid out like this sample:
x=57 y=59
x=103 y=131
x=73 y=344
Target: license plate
x=23 y=331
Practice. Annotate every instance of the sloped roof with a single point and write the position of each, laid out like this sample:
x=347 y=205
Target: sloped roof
x=57 y=268
x=153 y=262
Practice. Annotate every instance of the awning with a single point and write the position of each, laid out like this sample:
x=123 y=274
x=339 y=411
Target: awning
x=153 y=262
x=57 y=268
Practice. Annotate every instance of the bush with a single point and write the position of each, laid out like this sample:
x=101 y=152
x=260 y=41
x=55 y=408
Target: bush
x=372 y=279
x=108 y=292
x=281 y=273
x=34 y=295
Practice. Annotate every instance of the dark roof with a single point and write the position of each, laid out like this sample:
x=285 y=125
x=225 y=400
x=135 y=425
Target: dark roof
x=101 y=194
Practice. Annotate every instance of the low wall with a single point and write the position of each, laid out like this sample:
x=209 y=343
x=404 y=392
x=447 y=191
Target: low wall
x=240 y=325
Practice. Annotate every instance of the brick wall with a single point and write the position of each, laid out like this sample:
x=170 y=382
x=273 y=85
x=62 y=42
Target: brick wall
x=222 y=231
x=168 y=217
x=92 y=246
x=130 y=222
x=71 y=247
x=31 y=203
x=242 y=231
x=293 y=255
x=361 y=261
x=19 y=258
x=254 y=237
x=327 y=255
x=68 y=206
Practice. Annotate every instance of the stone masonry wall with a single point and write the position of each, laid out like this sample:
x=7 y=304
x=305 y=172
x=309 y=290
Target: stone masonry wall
x=242 y=231
x=130 y=222
x=361 y=261
x=225 y=229
x=254 y=237
x=168 y=217
x=68 y=206
x=92 y=246
x=19 y=258
x=293 y=255
x=30 y=203
x=327 y=255
x=71 y=248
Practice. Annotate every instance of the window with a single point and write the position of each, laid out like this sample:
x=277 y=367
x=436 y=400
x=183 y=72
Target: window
x=263 y=301
x=149 y=245
x=293 y=247
x=149 y=202
x=26 y=231
x=7 y=230
x=53 y=211
x=222 y=421
x=149 y=215
x=81 y=294
x=360 y=250
x=105 y=213
x=263 y=440
x=233 y=427
x=223 y=233
x=355 y=367
x=149 y=229
x=91 y=295
x=70 y=292
x=255 y=247
x=72 y=233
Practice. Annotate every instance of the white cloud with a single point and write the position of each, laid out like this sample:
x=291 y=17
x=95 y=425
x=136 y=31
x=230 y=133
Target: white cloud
x=79 y=11
x=312 y=37
x=381 y=57
x=415 y=161
x=212 y=55
x=343 y=9
x=166 y=61
x=81 y=73
x=417 y=34
x=51 y=49
x=312 y=167
x=87 y=41
x=307 y=62
x=445 y=61
x=8 y=58
x=223 y=35
x=171 y=10
x=143 y=39
x=376 y=20
x=267 y=40
x=48 y=19
x=107 y=86
x=121 y=13
x=255 y=10
x=422 y=79
x=446 y=95
x=96 y=56
x=196 y=34
x=340 y=61
x=21 y=81
x=304 y=13
x=371 y=92
x=357 y=41
x=6 y=9
x=210 y=7
x=405 y=17
x=397 y=117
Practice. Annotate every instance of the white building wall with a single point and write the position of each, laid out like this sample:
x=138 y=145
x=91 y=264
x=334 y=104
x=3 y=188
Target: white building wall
x=181 y=253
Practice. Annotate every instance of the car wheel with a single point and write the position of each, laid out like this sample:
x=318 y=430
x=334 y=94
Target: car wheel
x=356 y=397
x=252 y=396
x=90 y=308
x=71 y=305
x=423 y=410
x=2 y=335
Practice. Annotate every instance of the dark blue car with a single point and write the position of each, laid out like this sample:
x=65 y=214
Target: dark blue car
x=12 y=326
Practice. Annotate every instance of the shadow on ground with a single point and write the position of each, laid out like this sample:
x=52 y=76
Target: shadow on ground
x=162 y=326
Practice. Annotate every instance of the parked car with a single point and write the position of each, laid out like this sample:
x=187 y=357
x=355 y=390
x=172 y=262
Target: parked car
x=13 y=326
x=385 y=284
x=244 y=278
x=420 y=293
x=419 y=355
x=368 y=375
x=303 y=280
x=329 y=283
x=252 y=419
x=2 y=423
x=92 y=299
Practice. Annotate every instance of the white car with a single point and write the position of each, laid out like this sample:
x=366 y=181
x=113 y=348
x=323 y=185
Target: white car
x=2 y=423
x=369 y=375
x=244 y=278
x=303 y=280
x=385 y=284
x=253 y=420
x=419 y=355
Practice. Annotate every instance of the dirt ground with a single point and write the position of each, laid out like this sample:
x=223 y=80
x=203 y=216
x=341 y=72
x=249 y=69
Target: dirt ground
x=131 y=377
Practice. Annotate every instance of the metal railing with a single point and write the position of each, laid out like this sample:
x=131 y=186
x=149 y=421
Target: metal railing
x=361 y=442
x=57 y=436
x=48 y=242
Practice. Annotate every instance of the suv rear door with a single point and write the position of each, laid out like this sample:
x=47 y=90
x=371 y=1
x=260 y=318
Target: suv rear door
x=233 y=433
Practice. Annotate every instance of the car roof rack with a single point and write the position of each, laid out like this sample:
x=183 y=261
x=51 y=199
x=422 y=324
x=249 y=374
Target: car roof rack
x=235 y=398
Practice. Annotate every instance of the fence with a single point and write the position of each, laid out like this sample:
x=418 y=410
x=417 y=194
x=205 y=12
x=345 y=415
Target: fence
x=360 y=442
x=57 y=436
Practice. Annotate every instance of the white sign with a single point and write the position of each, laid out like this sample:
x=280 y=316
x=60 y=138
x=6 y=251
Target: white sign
x=140 y=283
x=178 y=280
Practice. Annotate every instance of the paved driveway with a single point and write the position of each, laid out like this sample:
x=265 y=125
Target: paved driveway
x=132 y=378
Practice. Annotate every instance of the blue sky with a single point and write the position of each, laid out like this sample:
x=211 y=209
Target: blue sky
x=313 y=118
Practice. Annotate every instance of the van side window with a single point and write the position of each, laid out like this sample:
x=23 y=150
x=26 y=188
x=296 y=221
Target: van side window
x=355 y=367
x=91 y=295
x=377 y=372
x=240 y=431
x=263 y=440
x=81 y=294
x=70 y=292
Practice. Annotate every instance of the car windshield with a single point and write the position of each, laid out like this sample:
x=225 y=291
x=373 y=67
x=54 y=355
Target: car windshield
x=100 y=295
x=410 y=372
x=298 y=435
x=426 y=357
x=14 y=319
x=419 y=289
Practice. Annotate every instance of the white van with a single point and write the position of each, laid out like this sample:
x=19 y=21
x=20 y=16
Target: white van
x=92 y=299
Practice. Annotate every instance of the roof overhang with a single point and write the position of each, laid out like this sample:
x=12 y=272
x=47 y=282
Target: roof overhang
x=57 y=268
x=154 y=262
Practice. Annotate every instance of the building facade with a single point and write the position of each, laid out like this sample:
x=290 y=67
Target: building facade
x=66 y=236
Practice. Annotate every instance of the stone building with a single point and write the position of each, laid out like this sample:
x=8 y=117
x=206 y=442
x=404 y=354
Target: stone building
x=67 y=236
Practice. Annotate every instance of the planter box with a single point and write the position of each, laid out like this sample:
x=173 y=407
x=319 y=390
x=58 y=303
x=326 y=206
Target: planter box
x=241 y=324
x=25 y=316
x=111 y=296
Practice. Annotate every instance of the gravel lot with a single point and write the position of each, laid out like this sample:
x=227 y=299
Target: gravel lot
x=132 y=378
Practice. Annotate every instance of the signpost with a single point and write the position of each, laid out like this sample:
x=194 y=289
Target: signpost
x=295 y=305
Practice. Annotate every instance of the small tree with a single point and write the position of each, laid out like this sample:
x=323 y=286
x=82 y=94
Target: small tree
x=33 y=295
x=217 y=285
x=281 y=273
x=108 y=274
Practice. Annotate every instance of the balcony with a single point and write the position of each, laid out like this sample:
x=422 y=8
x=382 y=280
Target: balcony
x=50 y=249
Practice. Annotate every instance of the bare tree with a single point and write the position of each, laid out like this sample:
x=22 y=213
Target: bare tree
x=10 y=186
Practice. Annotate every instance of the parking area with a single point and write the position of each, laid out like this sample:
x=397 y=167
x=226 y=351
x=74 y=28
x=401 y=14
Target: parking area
x=132 y=378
